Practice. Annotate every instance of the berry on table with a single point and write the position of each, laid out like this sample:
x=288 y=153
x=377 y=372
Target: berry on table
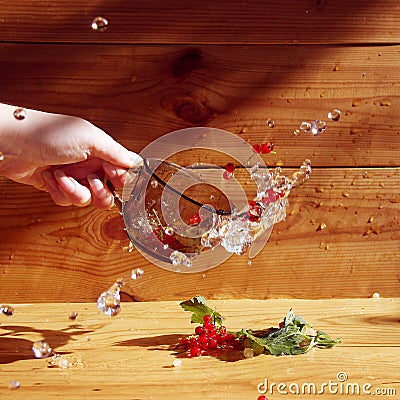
x=230 y=167
x=257 y=148
x=267 y=147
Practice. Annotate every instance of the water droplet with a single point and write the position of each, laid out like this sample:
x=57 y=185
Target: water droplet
x=169 y=231
x=376 y=295
x=177 y=363
x=7 y=310
x=73 y=316
x=13 y=385
x=249 y=262
x=110 y=301
x=334 y=115
x=153 y=183
x=137 y=273
x=178 y=258
x=1 y=156
x=318 y=127
x=19 y=114
x=305 y=127
x=41 y=349
x=296 y=132
x=99 y=24
x=270 y=123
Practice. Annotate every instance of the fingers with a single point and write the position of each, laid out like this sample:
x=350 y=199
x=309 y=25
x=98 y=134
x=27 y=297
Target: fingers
x=65 y=190
x=106 y=148
x=51 y=186
x=101 y=195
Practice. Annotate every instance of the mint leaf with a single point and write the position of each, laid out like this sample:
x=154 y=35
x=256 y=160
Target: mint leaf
x=197 y=305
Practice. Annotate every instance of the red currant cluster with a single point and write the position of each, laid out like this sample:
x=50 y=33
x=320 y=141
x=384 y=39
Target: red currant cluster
x=263 y=148
x=208 y=337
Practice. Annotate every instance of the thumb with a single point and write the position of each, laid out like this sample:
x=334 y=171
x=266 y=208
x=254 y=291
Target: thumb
x=107 y=149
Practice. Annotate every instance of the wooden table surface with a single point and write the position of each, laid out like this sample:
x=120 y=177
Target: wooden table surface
x=129 y=356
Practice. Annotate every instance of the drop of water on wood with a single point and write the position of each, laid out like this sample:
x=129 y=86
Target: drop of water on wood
x=270 y=123
x=19 y=114
x=13 y=385
x=99 y=24
x=305 y=127
x=73 y=316
x=318 y=127
x=41 y=349
x=7 y=310
x=137 y=273
x=334 y=115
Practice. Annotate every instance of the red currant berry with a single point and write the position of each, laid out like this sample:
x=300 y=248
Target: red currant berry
x=262 y=397
x=230 y=338
x=257 y=148
x=281 y=194
x=194 y=219
x=207 y=320
x=195 y=351
x=221 y=340
x=222 y=330
x=230 y=167
x=200 y=330
x=211 y=331
x=213 y=344
x=267 y=147
x=203 y=342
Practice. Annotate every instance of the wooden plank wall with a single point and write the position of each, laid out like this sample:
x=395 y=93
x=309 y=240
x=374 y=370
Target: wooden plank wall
x=162 y=66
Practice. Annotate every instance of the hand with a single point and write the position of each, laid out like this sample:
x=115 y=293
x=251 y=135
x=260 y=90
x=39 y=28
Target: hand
x=64 y=155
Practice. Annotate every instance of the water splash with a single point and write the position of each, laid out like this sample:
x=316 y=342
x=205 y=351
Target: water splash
x=110 y=301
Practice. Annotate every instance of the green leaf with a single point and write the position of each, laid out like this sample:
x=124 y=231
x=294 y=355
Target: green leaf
x=295 y=337
x=197 y=305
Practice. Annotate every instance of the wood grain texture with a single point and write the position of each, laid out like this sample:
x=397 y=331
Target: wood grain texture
x=131 y=354
x=139 y=93
x=49 y=253
x=157 y=21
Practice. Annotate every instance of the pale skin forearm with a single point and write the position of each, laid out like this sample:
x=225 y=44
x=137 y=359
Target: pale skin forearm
x=63 y=155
